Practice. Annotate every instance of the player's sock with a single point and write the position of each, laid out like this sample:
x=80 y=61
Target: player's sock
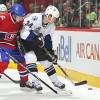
x=24 y=77
x=52 y=75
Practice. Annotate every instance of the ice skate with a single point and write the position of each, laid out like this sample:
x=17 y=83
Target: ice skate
x=37 y=85
x=59 y=85
x=26 y=84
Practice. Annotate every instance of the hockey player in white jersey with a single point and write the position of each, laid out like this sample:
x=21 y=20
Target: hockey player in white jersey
x=34 y=26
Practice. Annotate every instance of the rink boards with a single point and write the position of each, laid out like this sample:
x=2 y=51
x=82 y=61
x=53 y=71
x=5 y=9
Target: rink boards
x=78 y=53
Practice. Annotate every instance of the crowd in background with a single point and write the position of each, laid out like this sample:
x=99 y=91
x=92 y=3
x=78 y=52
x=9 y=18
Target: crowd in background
x=73 y=13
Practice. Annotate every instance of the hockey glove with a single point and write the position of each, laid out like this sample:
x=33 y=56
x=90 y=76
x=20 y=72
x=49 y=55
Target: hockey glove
x=41 y=45
x=53 y=57
x=39 y=42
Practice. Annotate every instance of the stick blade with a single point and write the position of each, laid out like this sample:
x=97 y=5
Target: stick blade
x=81 y=83
x=15 y=81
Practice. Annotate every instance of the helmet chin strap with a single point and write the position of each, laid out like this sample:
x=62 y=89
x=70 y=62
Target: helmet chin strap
x=14 y=17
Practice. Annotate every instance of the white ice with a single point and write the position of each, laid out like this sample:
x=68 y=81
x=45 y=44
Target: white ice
x=12 y=91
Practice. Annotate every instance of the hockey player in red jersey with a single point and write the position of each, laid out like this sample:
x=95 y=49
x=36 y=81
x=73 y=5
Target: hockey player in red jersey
x=10 y=24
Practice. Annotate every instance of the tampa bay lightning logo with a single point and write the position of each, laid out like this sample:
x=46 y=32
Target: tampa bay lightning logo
x=34 y=18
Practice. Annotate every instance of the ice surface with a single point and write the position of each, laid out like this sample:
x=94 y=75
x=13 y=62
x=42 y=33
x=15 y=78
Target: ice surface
x=12 y=91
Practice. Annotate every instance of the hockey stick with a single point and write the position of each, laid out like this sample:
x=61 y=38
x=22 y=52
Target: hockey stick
x=15 y=60
x=66 y=75
x=14 y=81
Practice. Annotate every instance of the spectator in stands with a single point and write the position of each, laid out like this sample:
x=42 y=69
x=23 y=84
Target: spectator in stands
x=91 y=14
x=98 y=13
x=67 y=15
x=28 y=5
x=72 y=15
x=42 y=8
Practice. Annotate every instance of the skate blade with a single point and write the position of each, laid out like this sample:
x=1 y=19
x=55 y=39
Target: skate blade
x=26 y=89
x=38 y=92
x=64 y=92
x=61 y=93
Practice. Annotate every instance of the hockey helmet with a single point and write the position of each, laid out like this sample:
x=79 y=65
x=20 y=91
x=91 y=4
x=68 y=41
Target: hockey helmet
x=3 y=7
x=52 y=10
x=18 y=10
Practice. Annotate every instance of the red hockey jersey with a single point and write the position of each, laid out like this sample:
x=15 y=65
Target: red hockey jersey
x=8 y=30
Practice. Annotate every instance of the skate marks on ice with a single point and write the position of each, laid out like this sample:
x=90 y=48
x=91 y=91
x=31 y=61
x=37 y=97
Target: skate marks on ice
x=1 y=98
x=10 y=91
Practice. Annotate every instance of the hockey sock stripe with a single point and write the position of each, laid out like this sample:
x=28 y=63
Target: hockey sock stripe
x=32 y=67
x=49 y=68
x=50 y=71
x=23 y=73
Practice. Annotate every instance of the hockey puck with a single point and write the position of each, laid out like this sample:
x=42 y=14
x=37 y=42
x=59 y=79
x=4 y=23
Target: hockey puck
x=90 y=89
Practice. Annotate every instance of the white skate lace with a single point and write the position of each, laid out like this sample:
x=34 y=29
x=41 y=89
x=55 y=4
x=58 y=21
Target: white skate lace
x=36 y=84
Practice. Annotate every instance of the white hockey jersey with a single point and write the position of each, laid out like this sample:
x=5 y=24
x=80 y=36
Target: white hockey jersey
x=34 y=23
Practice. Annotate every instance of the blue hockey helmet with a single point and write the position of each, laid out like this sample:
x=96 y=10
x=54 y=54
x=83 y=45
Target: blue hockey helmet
x=18 y=10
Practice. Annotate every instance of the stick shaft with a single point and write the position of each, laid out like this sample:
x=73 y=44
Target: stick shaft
x=15 y=60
